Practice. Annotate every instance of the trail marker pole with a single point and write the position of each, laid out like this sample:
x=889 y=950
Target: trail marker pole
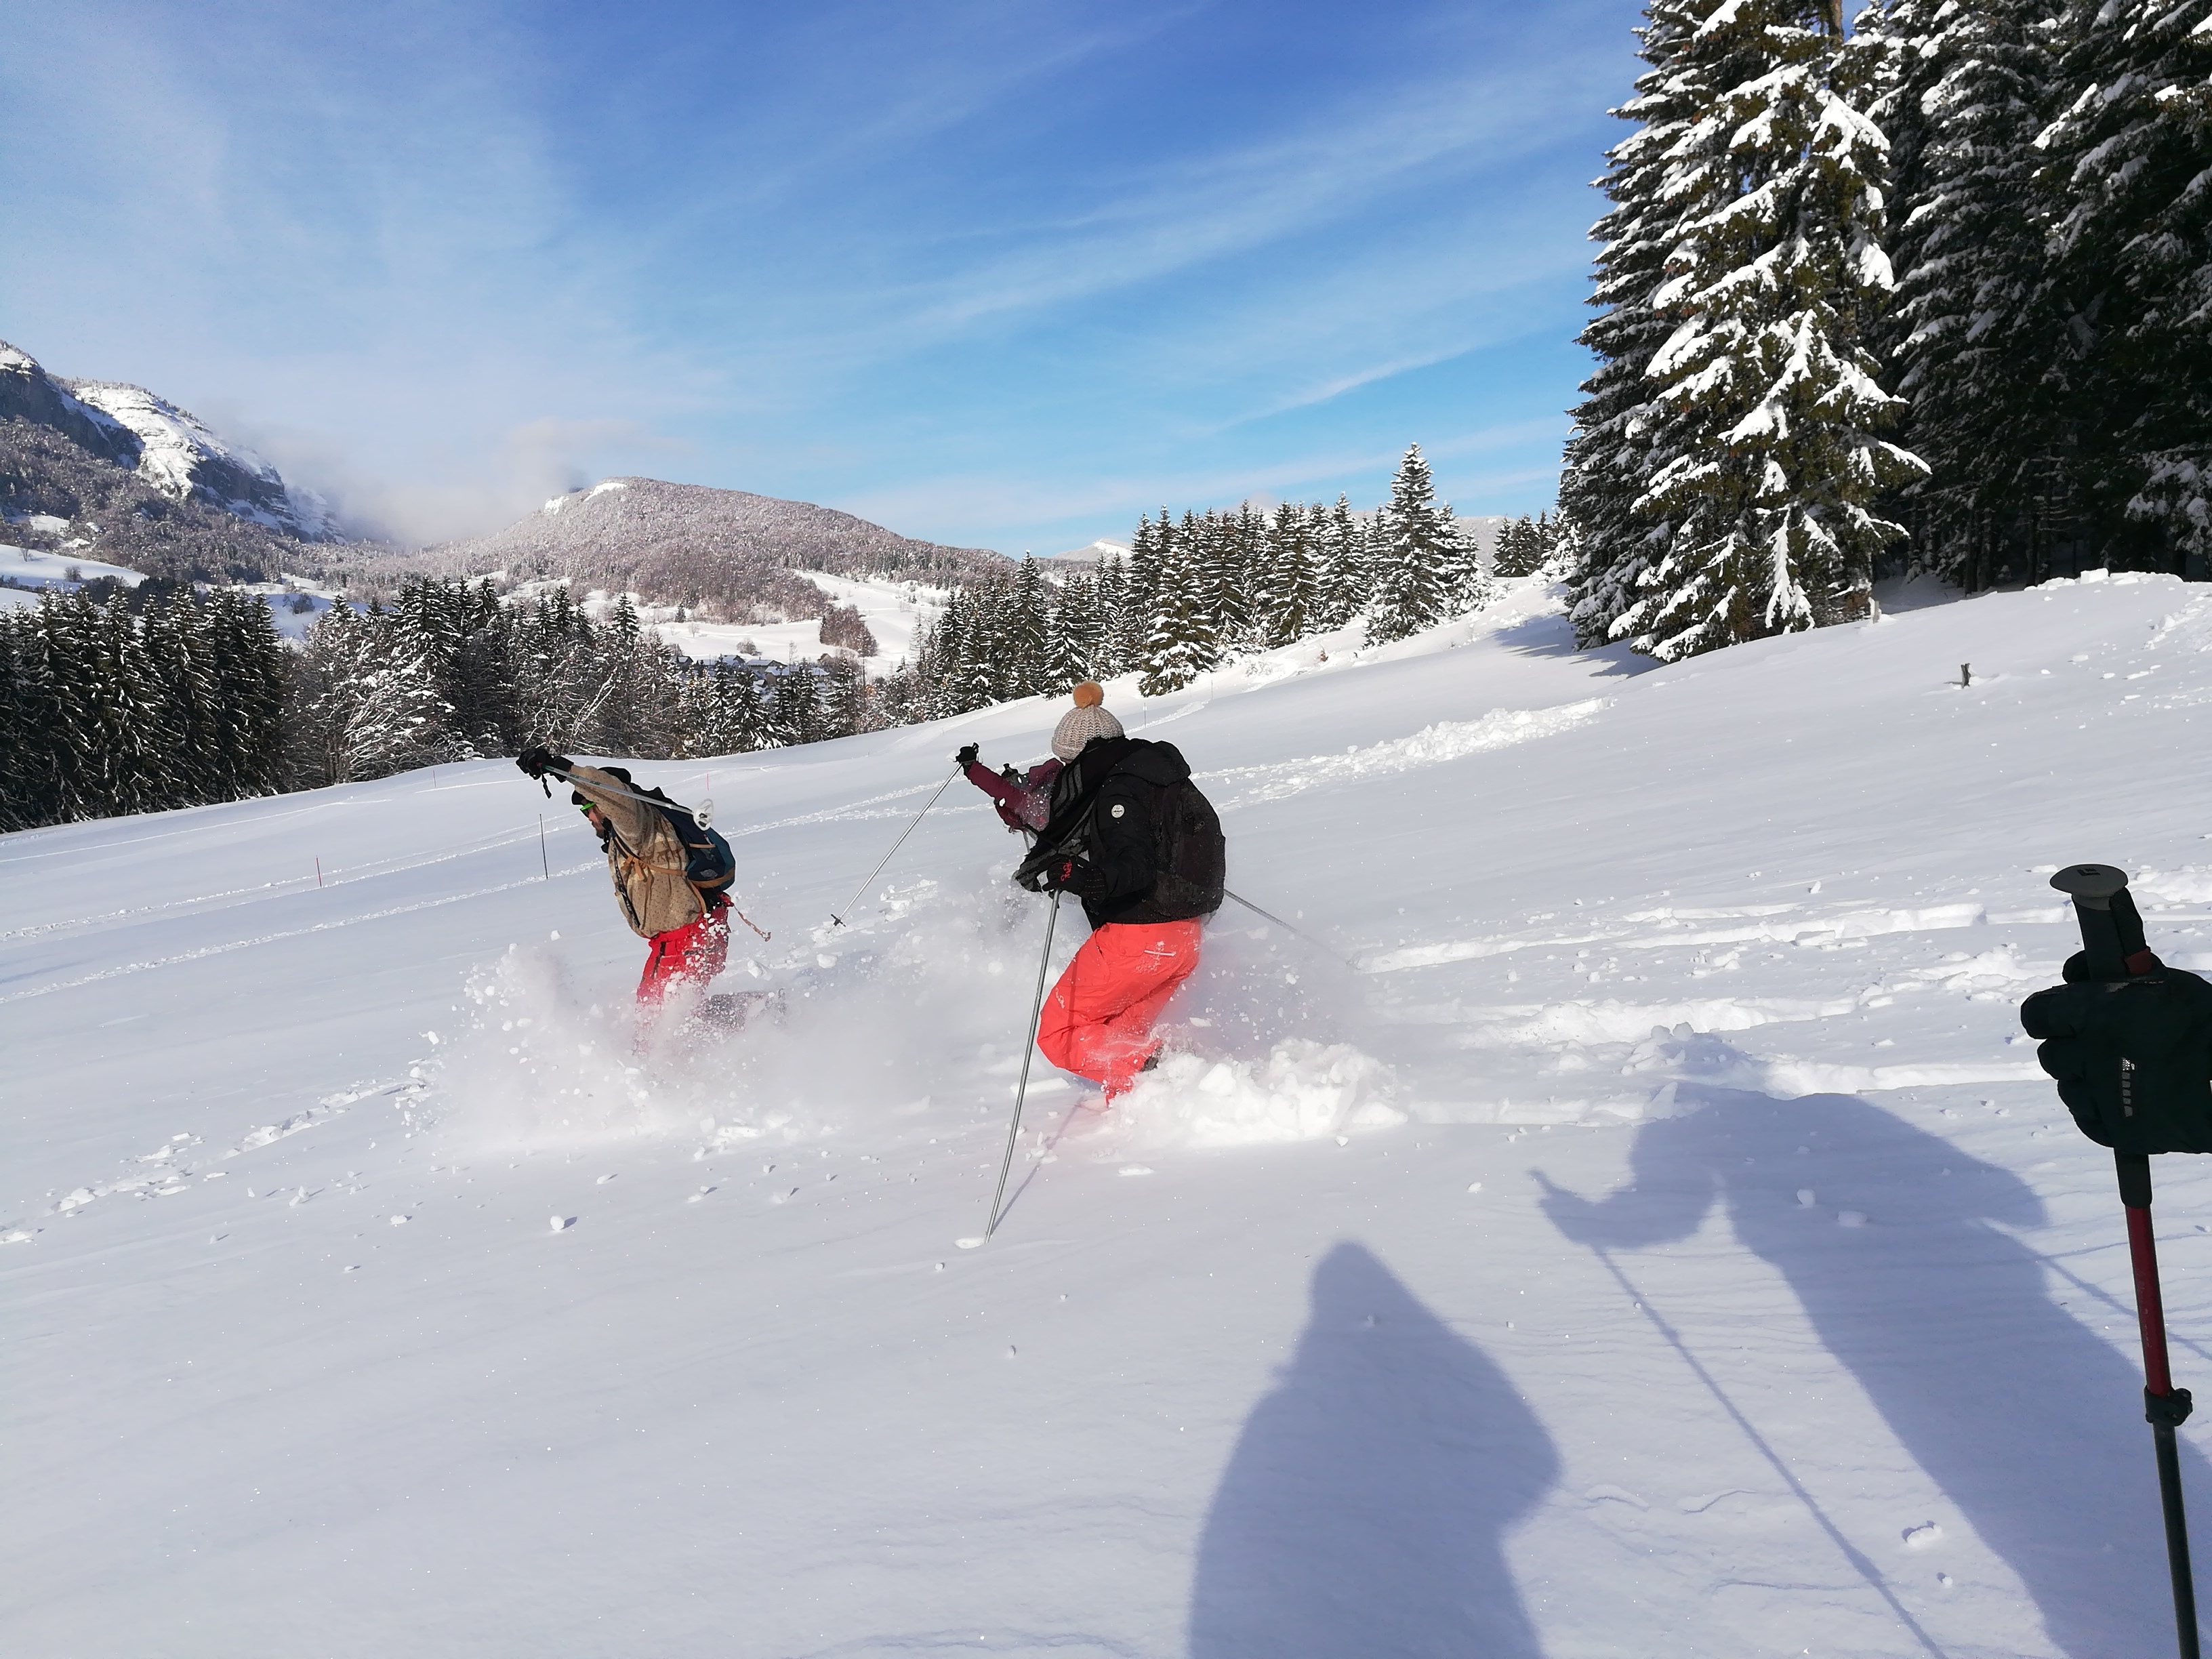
x=1029 y=1051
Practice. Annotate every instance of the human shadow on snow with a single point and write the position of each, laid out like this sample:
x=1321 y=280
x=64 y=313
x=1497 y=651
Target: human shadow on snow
x=2029 y=1422
x=1365 y=1507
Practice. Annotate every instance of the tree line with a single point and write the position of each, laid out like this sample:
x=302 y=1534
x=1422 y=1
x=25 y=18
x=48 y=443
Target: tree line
x=1196 y=591
x=1935 y=295
x=116 y=700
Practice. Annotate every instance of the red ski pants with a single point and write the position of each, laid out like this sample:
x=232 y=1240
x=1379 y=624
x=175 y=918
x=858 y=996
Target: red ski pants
x=691 y=954
x=1097 y=1023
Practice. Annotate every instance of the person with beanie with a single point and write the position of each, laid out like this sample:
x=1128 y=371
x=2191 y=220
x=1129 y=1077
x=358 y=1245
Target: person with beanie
x=688 y=928
x=1025 y=800
x=1116 y=820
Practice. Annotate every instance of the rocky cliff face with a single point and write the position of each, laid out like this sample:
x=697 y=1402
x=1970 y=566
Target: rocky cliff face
x=28 y=394
x=180 y=457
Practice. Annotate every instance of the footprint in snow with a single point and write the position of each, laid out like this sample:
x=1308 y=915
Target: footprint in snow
x=1610 y=1494
x=1698 y=1504
x=1923 y=1536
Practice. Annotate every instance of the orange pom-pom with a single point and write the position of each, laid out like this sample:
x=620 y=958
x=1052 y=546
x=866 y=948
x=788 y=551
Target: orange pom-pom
x=1090 y=694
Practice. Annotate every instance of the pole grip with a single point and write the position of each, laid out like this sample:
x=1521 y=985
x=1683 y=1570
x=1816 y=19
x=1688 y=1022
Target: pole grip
x=2112 y=940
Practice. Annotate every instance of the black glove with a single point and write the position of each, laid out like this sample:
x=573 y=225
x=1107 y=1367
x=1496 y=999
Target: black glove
x=537 y=761
x=1074 y=875
x=966 y=757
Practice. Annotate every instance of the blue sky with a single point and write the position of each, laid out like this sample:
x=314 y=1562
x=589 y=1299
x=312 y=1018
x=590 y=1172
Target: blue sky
x=997 y=274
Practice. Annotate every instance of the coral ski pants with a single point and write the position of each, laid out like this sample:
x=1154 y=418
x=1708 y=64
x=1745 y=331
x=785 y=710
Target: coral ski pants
x=692 y=954
x=1097 y=1023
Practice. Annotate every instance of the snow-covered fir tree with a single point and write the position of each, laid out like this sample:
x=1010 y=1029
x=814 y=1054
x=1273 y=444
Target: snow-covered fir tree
x=1624 y=433
x=1979 y=335
x=1522 y=547
x=1289 y=584
x=2131 y=158
x=1177 y=645
x=1766 y=378
x=1423 y=572
x=1341 y=553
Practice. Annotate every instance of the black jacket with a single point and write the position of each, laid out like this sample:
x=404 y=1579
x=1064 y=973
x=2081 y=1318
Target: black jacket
x=1114 y=832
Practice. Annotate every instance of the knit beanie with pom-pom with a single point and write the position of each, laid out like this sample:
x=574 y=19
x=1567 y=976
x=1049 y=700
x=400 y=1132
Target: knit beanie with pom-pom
x=1086 y=720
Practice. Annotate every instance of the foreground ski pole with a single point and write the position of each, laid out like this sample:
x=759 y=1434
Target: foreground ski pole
x=837 y=920
x=1029 y=1049
x=2114 y=957
x=1300 y=931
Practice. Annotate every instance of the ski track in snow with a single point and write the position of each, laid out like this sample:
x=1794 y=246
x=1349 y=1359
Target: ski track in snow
x=1432 y=746
x=203 y=952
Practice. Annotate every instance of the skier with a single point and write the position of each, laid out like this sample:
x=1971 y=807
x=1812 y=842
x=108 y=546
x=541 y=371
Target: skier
x=656 y=874
x=1117 y=822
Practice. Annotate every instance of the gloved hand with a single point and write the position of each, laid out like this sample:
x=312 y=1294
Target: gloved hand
x=966 y=757
x=1076 y=877
x=539 y=760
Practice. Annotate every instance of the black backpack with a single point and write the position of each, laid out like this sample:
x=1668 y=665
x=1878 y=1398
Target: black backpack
x=1188 y=851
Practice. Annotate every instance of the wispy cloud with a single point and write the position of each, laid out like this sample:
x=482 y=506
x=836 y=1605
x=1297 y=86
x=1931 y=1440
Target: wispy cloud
x=441 y=256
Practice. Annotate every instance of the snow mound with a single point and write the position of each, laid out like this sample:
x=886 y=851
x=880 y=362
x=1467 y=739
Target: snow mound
x=1300 y=1090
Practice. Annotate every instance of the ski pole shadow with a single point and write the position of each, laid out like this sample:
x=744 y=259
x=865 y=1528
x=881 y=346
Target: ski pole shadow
x=2028 y=1420
x=1365 y=1507
x=1049 y=1143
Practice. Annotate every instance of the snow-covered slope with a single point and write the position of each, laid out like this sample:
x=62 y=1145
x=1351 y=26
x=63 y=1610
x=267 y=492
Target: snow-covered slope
x=896 y=614
x=1658 y=1245
x=33 y=569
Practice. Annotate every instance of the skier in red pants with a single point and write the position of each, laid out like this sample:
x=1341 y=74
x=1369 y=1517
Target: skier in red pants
x=686 y=925
x=1120 y=825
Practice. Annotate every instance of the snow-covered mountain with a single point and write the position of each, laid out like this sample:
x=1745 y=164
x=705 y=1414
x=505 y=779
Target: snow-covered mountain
x=180 y=457
x=27 y=393
x=170 y=448
x=731 y=552
x=1657 y=1240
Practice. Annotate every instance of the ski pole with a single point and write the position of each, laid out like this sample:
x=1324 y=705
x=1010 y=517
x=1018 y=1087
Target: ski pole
x=1029 y=1049
x=837 y=920
x=703 y=815
x=2112 y=940
x=1300 y=931
x=2166 y=1407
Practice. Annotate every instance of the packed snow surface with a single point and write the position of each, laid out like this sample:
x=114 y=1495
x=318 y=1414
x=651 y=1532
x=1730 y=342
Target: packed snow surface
x=1627 y=1222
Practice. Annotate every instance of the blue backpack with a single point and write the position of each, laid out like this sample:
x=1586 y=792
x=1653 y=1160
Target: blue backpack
x=709 y=864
